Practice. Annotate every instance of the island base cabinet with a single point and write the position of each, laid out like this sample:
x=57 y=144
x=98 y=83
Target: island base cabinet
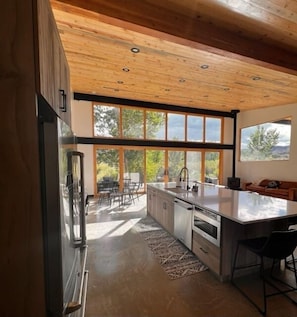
x=160 y=206
x=165 y=211
x=151 y=201
x=207 y=252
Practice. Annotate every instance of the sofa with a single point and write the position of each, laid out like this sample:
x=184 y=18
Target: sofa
x=274 y=188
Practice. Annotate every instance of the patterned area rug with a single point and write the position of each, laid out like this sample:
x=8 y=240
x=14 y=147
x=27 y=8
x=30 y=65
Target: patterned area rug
x=177 y=260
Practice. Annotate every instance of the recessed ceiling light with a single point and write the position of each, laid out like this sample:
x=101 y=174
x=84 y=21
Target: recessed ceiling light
x=204 y=66
x=126 y=69
x=135 y=50
x=256 y=78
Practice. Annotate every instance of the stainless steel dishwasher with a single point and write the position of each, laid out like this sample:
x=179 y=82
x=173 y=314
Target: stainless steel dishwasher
x=183 y=222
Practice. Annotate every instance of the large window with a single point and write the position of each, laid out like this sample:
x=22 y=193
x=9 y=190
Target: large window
x=176 y=161
x=175 y=127
x=195 y=128
x=144 y=166
x=106 y=121
x=107 y=165
x=155 y=166
x=266 y=142
x=150 y=163
x=213 y=130
x=155 y=125
x=134 y=165
x=135 y=123
x=212 y=167
x=194 y=159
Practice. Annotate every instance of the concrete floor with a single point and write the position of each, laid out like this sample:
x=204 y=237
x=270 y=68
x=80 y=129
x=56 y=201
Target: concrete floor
x=126 y=280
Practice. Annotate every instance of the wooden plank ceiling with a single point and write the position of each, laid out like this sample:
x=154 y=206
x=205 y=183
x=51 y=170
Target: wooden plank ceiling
x=211 y=54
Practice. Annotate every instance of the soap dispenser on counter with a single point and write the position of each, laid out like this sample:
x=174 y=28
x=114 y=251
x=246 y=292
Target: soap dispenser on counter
x=195 y=187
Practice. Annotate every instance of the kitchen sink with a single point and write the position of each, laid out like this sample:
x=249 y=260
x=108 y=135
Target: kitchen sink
x=176 y=189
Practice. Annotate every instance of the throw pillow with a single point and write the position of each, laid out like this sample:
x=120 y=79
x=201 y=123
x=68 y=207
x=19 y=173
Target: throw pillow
x=273 y=184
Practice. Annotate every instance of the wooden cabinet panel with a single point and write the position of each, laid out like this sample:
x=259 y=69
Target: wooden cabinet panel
x=64 y=88
x=21 y=227
x=160 y=206
x=207 y=252
x=151 y=201
x=48 y=54
x=53 y=80
x=168 y=213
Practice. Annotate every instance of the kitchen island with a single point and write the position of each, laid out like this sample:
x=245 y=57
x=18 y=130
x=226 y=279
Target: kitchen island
x=242 y=215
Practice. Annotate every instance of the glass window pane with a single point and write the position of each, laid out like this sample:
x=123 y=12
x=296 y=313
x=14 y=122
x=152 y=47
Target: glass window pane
x=176 y=161
x=212 y=165
x=266 y=142
x=194 y=165
x=106 y=121
x=195 y=128
x=176 y=127
x=133 y=123
x=213 y=130
x=155 y=125
x=134 y=165
x=107 y=165
x=155 y=163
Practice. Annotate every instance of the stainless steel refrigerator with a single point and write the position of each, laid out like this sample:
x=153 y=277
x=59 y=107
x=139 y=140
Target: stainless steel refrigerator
x=63 y=205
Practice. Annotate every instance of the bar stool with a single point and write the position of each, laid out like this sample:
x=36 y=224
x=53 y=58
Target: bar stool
x=292 y=224
x=278 y=246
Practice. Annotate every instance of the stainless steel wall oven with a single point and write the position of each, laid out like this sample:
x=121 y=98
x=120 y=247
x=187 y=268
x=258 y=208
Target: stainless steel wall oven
x=207 y=224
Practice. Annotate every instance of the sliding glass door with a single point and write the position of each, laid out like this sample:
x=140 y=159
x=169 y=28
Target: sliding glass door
x=155 y=165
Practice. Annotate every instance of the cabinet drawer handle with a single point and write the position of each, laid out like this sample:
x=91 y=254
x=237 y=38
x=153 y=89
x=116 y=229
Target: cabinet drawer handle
x=63 y=105
x=204 y=251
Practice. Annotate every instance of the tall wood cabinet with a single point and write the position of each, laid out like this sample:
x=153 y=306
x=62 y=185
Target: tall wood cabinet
x=31 y=62
x=53 y=79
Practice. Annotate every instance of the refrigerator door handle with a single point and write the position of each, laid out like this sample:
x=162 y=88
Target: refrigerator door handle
x=79 y=239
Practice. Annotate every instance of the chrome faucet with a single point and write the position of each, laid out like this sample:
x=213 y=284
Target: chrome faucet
x=185 y=172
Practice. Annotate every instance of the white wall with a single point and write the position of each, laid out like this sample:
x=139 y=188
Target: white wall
x=81 y=118
x=279 y=170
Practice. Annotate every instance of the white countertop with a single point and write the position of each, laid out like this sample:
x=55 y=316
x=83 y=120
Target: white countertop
x=240 y=206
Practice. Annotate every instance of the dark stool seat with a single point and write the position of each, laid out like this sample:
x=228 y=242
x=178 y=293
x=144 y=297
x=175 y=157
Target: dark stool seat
x=278 y=246
x=292 y=224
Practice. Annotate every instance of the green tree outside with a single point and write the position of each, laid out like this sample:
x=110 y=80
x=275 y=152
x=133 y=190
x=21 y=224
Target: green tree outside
x=262 y=141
